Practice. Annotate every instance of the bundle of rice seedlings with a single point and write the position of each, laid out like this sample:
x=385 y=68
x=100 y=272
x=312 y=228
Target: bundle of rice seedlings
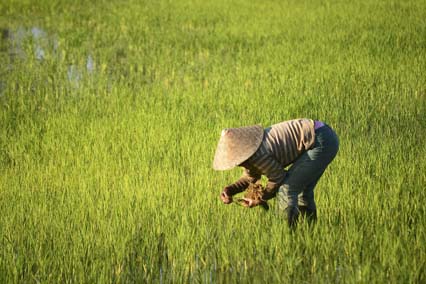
x=255 y=191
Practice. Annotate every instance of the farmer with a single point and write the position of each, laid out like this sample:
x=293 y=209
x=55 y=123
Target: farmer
x=308 y=145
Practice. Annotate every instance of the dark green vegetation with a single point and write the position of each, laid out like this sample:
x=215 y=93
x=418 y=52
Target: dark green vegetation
x=110 y=115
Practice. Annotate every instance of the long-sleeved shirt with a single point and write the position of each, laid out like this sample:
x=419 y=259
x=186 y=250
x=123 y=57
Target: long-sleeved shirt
x=282 y=144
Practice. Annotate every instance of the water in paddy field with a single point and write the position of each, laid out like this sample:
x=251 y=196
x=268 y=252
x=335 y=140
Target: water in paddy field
x=14 y=45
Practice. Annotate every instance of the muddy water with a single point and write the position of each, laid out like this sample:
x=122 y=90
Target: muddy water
x=14 y=45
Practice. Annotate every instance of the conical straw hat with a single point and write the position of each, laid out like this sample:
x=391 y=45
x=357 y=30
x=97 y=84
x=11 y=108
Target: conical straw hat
x=237 y=145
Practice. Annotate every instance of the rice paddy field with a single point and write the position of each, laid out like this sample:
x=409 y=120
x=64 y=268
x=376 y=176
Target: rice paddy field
x=110 y=113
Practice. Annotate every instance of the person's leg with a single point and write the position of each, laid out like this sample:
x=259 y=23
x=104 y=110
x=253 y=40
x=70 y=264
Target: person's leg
x=287 y=204
x=306 y=202
x=304 y=174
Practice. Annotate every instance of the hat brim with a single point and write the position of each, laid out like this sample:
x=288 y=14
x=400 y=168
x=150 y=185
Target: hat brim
x=237 y=145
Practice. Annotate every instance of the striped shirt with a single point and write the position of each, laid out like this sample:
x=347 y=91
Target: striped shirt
x=282 y=144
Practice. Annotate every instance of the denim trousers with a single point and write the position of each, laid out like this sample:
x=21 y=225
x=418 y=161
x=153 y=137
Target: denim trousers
x=297 y=191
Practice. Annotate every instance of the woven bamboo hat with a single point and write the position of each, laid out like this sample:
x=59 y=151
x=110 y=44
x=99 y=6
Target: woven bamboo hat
x=237 y=145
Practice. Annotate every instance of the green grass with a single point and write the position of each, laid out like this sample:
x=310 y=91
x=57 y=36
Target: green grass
x=109 y=179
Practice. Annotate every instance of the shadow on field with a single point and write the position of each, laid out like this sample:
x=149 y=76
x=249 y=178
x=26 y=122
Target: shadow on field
x=146 y=258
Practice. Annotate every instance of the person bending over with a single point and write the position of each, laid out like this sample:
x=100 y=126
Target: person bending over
x=307 y=145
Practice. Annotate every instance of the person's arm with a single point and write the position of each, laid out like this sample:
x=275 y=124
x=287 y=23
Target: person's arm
x=272 y=169
x=242 y=183
x=248 y=176
x=275 y=173
x=275 y=180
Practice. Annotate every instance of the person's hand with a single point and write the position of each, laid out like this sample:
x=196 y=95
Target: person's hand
x=227 y=199
x=248 y=202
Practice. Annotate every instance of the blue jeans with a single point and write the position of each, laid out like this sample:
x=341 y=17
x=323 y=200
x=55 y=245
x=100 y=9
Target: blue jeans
x=296 y=194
